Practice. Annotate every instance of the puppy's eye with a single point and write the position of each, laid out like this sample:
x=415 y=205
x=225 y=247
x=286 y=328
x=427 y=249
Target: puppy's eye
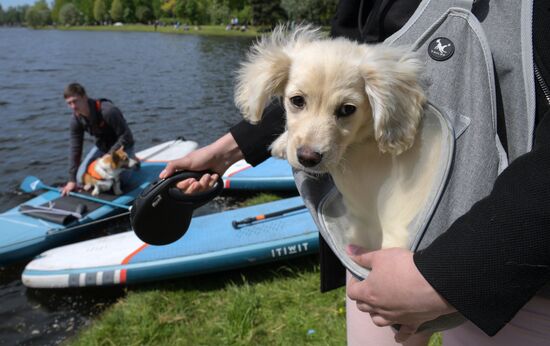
x=298 y=101
x=345 y=110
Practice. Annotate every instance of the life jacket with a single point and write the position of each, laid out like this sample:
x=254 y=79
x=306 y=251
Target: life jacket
x=476 y=68
x=98 y=102
x=92 y=171
x=95 y=126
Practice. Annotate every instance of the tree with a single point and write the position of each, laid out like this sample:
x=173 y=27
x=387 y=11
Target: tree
x=117 y=11
x=69 y=15
x=312 y=11
x=267 y=12
x=100 y=11
x=219 y=12
x=143 y=14
x=38 y=15
x=169 y=7
x=86 y=10
x=156 y=5
x=56 y=8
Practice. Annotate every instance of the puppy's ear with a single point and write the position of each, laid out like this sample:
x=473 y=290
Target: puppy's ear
x=397 y=99
x=264 y=74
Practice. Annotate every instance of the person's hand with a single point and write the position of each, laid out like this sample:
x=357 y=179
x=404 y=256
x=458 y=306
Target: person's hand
x=70 y=186
x=216 y=157
x=395 y=292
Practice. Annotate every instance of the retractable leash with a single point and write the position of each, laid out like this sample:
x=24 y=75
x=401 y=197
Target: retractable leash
x=237 y=224
x=161 y=214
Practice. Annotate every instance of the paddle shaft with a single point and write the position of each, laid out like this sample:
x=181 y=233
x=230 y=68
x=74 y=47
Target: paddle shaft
x=249 y=220
x=86 y=197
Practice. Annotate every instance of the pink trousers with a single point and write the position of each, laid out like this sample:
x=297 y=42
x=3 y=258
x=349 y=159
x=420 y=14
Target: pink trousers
x=530 y=326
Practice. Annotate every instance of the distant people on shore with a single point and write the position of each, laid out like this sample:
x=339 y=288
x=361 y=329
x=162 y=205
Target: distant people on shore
x=234 y=25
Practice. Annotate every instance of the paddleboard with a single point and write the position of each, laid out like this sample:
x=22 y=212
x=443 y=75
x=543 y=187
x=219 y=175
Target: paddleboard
x=23 y=235
x=167 y=151
x=272 y=174
x=211 y=244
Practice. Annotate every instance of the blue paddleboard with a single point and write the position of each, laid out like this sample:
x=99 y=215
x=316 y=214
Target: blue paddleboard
x=211 y=244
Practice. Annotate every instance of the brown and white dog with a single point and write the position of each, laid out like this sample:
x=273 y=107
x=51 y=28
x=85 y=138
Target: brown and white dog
x=103 y=174
x=353 y=111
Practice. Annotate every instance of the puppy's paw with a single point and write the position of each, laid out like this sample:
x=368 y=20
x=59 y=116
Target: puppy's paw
x=95 y=192
x=278 y=147
x=87 y=187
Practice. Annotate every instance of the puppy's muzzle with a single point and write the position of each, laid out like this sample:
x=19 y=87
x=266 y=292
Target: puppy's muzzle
x=308 y=157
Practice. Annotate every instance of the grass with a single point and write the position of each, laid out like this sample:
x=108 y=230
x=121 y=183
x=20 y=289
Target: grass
x=273 y=304
x=213 y=30
x=267 y=305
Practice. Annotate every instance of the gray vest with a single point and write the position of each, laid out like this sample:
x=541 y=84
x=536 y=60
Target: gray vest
x=465 y=56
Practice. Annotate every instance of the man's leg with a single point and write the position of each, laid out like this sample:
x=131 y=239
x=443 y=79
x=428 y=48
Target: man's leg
x=93 y=154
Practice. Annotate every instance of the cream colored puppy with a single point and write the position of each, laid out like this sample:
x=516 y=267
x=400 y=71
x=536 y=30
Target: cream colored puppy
x=352 y=110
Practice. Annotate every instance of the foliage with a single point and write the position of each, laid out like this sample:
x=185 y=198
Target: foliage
x=56 y=8
x=100 y=11
x=117 y=11
x=143 y=14
x=219 y=12
x=156 y=6
x=69 y=15
x=13 y=15
x=312 y=11
x=86 y=9
x=38 y=15
x=197 y=12
x=267 y=12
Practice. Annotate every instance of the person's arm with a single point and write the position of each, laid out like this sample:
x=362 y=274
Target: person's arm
x=254 y=140
x=497 y=256
x=114 y=118
x=76 y=139
x=75 y=147
x=244 y=140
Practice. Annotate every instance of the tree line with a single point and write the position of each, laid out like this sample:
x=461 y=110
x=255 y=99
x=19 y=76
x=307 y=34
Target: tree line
x=193 y=12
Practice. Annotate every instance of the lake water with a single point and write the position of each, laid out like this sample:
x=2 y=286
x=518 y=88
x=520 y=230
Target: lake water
x=166 y=85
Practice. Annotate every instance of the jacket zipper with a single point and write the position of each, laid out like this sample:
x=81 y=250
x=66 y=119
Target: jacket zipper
x=542 y=84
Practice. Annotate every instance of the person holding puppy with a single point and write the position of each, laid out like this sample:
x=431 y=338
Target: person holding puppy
x=492 y=262
x=101 y=119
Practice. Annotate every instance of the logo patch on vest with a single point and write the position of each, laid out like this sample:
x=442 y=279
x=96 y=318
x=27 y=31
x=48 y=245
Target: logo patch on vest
x=441 y=49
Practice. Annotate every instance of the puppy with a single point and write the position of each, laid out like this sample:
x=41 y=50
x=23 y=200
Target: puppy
x=353 y=111
x=103 y=174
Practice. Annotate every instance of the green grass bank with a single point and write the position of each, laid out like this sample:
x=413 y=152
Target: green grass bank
x=272 y=304
x=212 y=30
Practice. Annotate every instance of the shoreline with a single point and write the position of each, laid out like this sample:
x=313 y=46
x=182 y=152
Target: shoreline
x=209 y=30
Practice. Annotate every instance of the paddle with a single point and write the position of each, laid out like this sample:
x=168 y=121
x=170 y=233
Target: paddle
x=31 y=184
x=249 y=220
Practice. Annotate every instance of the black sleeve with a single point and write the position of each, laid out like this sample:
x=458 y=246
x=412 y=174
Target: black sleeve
x=114 y=118
x=75 y=148
x=254 y=139
x=496 y=257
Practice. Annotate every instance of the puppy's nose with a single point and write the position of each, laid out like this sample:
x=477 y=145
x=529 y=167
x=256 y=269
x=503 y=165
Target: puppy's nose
x=308 y=157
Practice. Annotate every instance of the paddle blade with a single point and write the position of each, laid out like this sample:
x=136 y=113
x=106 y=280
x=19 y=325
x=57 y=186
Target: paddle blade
x=31 y=184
